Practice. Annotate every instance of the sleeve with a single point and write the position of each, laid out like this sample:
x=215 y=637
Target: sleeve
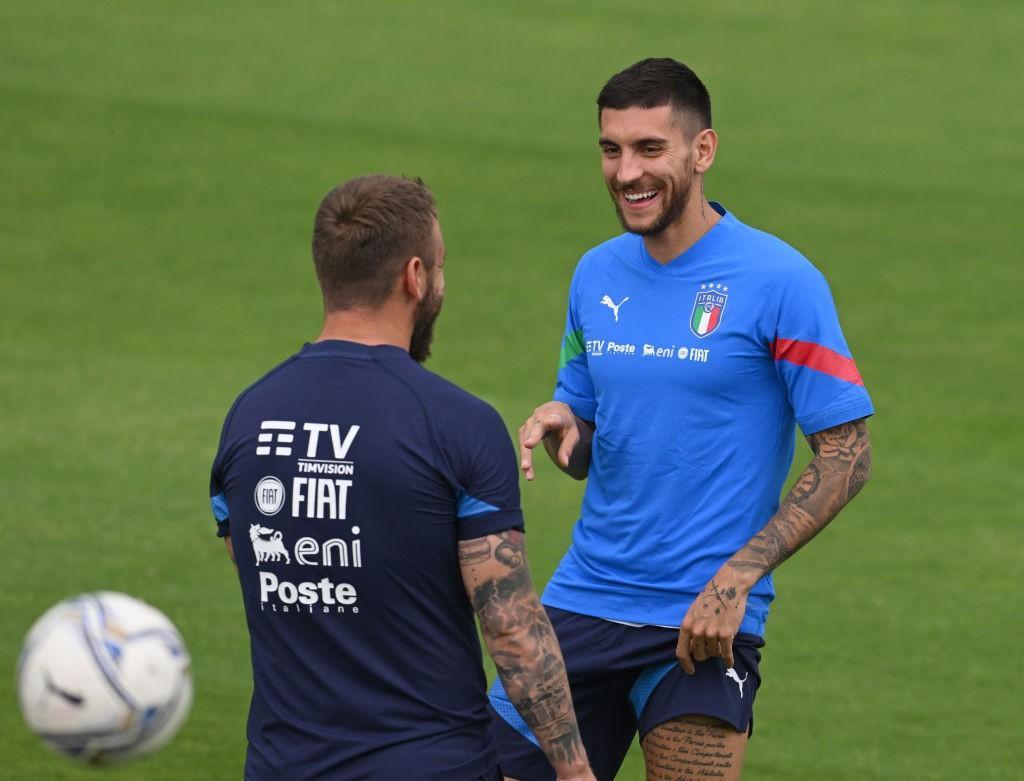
x=218 y=497
x=488 y=474
x=811 y=356
x=574 y=385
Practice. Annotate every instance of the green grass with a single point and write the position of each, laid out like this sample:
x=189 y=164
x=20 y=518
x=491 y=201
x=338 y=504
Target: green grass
x=161 y=163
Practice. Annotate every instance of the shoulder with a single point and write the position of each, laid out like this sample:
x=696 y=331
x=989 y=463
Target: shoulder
x=782 y=264
x=606 y=257
x=263 y=384
x=443 y=398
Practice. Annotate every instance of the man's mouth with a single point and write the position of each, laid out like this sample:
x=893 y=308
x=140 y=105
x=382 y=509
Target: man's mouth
x=640 y=198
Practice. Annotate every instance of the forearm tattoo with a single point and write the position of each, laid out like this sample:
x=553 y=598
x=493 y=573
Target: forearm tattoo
x=840 y=468
x=522 y=643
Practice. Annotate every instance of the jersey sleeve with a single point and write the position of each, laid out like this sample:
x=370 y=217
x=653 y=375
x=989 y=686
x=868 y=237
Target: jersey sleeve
x=488 y=475
x=811 y=356
x=574 y=385
x=218 y=497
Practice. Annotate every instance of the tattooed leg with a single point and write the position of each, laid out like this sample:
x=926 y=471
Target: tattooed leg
x=694 y=747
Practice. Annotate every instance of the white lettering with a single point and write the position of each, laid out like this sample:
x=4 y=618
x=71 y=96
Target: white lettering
x=341 y=448
x=338 y=545
x=314 y=430
x=306 y=592
x=622 y=349
x=304 y=548
x=323 y=498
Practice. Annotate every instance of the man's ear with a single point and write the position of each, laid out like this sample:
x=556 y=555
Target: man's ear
x=704 y=148
x=414 y=278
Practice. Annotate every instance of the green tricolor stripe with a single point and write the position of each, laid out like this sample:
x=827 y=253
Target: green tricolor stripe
x=572 y=345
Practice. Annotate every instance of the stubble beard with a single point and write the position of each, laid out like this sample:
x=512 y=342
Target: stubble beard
x=670 y=214
x=424 y=319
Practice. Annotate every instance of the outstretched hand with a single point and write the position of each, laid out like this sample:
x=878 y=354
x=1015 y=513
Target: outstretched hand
x=556 y=419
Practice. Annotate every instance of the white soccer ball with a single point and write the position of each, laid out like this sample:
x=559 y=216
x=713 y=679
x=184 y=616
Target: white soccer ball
x=104 y=677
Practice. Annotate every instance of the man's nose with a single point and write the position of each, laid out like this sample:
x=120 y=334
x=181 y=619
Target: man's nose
x=630 y=169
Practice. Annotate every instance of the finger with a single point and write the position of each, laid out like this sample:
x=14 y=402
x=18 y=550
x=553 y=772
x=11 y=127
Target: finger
x=727 y=648
x=526 y=461
x=531 y=433
x=683 y=653
x=572 y=436
x=699 y=649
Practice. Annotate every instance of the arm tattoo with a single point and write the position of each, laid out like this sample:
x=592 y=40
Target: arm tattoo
x=474 y=551
x=840 y=468
x=523 y=645
x=510 y=551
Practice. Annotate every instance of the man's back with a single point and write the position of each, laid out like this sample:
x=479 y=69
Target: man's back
x=346 y=478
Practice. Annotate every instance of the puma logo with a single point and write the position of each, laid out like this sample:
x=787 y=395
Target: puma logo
x=731 y=673
x=607 y=301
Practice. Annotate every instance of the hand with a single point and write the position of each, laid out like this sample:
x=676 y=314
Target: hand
x=554 y=419
x=582 y=775
x=712 y=622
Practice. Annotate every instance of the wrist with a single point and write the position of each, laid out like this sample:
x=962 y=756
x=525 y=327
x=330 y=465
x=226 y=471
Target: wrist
x=742 y=577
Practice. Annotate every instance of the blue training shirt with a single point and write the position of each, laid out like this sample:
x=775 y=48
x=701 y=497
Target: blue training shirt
x=346 y=478
x=694 y=373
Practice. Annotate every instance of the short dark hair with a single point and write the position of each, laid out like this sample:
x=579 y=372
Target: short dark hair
x=654 y=82
x=365 y=231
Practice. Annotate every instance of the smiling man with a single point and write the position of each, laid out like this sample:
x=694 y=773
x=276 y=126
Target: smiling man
x=694 y=346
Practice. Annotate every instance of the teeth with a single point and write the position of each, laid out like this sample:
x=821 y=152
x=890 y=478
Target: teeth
x=640 y=196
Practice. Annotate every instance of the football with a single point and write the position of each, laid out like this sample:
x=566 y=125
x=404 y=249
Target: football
x=104 y=677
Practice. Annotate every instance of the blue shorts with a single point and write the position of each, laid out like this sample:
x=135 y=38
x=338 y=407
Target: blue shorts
x=626 y=679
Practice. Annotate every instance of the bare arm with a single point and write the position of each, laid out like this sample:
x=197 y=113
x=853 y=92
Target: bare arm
x=519 y=638
x=839 y=469
x=566 y=437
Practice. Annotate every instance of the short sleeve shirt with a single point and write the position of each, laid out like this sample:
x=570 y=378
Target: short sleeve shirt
x=346 y=478
x=695 y=373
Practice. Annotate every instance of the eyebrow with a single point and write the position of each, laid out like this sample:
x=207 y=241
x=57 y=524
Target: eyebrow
x=639 y=142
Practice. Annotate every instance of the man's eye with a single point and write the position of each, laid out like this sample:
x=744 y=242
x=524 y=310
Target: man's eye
x=651 y=150
x=609 y=151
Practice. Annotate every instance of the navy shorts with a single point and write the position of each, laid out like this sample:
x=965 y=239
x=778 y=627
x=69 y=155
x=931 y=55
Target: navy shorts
x=626 y=679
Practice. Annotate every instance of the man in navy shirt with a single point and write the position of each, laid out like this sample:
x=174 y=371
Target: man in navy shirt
x=694 y=345
x=371 y=507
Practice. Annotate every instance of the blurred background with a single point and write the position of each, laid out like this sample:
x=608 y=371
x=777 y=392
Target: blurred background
x=160 y=165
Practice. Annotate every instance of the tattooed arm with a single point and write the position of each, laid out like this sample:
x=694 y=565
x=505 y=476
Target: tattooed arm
x=839 y=469
x=519 y=638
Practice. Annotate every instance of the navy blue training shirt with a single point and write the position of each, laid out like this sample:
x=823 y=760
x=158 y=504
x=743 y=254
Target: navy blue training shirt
x=346 y=477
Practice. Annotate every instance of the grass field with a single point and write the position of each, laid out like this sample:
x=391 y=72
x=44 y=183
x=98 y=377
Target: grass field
x=160 y=166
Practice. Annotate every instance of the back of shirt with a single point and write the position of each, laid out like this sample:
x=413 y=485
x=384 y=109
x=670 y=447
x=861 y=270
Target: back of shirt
x=346 y=478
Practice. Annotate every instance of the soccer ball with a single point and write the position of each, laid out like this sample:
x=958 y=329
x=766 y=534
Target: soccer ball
x=104 y=677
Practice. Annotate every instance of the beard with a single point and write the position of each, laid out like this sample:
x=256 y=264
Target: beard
x=423 y=325
x=670 y=212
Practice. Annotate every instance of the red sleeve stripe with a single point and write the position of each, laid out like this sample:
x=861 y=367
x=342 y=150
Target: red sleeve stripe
x=816 y=357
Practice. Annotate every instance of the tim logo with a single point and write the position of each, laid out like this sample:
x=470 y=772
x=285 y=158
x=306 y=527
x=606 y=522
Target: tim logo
x=267 y=545
x=277 y=432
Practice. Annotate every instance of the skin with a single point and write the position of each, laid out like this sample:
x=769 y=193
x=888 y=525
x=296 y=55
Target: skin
x=644 y=150
x=522 y=643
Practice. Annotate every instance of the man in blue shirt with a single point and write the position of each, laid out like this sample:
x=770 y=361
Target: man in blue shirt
x=693 y=346
x=371 y=508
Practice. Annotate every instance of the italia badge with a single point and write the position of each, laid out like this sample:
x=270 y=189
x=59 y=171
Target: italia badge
x=708 y=308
